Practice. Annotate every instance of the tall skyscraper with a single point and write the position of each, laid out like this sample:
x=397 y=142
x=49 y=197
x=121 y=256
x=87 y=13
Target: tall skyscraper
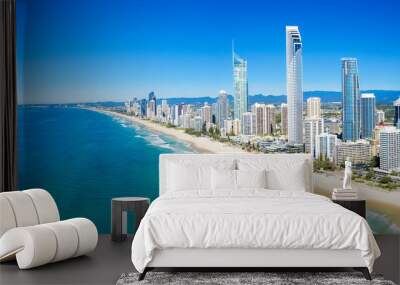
x=222 y=108
x=368 y=116
x=314 y=107
x=312 y=128
x=396 y=121
x=390 y=149
x=284 y=119
x=351 y=114
x=294 y=84
x=325 y=146
x=240 y=86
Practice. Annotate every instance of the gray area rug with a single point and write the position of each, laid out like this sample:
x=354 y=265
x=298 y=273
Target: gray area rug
x=228 y=278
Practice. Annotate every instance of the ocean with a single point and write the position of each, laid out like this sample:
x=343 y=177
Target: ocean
x=85 y=158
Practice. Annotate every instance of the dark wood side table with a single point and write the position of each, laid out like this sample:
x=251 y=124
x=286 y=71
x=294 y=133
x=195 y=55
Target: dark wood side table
x=120 y=207
x=357 y=206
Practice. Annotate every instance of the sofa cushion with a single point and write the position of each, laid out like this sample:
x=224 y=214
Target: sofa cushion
x=7 y=218
x=23 y=208
x=46 y=207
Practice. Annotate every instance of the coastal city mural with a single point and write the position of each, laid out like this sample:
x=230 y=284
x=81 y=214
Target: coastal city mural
x=99 y=101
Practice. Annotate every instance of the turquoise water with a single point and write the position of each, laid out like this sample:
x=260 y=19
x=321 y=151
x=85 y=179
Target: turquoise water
x=84 y=158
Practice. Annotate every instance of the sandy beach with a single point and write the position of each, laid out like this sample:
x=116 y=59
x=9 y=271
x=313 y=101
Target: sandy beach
x=384 y=202
x=379 y=200
x=200 y=144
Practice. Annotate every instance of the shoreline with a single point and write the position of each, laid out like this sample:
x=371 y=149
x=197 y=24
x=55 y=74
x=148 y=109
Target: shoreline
x=381 y=201
x=199 y=144
x=384 y=203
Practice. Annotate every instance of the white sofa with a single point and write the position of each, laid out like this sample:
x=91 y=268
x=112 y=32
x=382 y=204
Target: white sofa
x=31 y=231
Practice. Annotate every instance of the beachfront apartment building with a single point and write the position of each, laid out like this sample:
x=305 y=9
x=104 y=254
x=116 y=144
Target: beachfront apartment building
x=206 y=113
x=265 y=119
x=313 y=108
x=312 y=127
x=232 y=127
x=325 y=144
x=389 y=138
x=380 y=117
x=359 y=152
x=248 y=124
x=368 y=115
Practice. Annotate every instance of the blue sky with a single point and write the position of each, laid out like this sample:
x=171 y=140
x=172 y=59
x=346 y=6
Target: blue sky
x=96 y=50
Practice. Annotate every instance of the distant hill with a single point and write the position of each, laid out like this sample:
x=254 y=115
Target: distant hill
x=382 y=97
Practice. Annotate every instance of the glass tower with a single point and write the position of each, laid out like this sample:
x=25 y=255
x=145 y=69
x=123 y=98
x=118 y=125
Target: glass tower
x=351 y=115
x=294 y=84
x=240 y=86
x=368 y=121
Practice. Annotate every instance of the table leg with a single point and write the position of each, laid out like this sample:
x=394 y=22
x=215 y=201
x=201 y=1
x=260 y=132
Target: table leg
x=124 y=224
x=116 y=222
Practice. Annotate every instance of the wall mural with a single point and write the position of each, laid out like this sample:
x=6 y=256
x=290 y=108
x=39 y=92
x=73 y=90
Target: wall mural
x=105 y=87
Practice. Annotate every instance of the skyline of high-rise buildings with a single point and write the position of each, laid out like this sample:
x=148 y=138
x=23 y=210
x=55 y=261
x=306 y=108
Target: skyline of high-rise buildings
x=351 y=113
x=294 y=84
x=301 y=127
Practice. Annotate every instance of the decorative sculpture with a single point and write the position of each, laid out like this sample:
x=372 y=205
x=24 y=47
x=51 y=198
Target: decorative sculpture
x=347 y=175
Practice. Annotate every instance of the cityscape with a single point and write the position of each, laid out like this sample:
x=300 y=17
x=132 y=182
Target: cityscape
x=331 y=133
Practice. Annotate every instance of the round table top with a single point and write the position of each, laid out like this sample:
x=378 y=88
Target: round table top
x=130 y=199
